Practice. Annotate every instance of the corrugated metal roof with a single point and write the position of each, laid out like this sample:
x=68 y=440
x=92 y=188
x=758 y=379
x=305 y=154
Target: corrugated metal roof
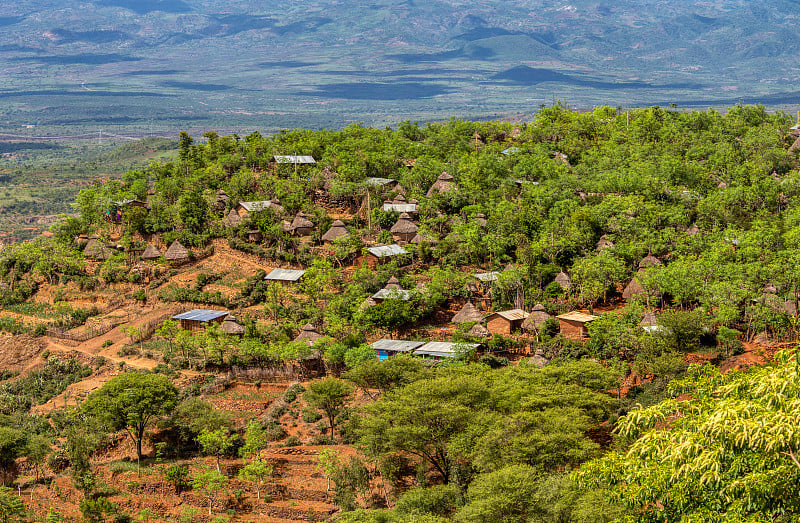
x=443 y=349
x=379 y=182
x=400 y=207
x=256 y=206
x=284 y=275
x=397 y=345
x=511 y=315
x=510 y=151
x=387 y=250
x=487 y=276
x=200 y=315
x=577 y=316
x=288 y=158
x=392 y=294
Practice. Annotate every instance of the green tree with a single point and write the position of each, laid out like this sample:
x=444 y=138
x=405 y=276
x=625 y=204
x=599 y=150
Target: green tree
x=132 y=401
x=211 y=484
x=216 y=443
x=12 y=445
x=256 y=471
x=194 y=210
x=12 y=509
x=330 y=395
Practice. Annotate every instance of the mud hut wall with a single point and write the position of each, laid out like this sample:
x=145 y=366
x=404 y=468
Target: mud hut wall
x=573 y=330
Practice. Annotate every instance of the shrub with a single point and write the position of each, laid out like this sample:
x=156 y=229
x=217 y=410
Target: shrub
x=439 y=500
x=292 y=441
x=311 y=416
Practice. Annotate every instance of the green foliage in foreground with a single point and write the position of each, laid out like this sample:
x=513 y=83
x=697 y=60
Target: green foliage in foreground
x=40 y=385
x=728 y=452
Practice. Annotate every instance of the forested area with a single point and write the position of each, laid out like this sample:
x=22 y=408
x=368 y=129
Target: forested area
x=675 y=233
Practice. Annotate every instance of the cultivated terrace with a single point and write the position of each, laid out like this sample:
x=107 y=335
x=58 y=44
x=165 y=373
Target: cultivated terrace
x=583 y=318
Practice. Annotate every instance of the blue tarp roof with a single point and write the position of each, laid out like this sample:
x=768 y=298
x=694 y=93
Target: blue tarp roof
x=200 y=315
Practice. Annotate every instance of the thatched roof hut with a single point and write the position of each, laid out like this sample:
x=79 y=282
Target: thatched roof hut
x=301 y=225
x=366 y=304
x=404 y=229
x=97 y=251
x=425 y=237
x=467 y=313
x=232 y=219
x=694 y=229
x=479 y=331
x=337 y=230
x=151 y=253
x=176 y=251
x=231 y=327
x=649 y=261
x=634 y=288
x=563 y=281
x=443 y=183
x=537 y=317
x=649 y=320
x=393 y=283
x=795 y=146
x=604 y=242
x=308 y=334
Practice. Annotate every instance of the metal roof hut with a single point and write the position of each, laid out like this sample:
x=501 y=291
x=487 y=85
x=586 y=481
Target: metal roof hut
x=285 y=276
x=604 y=242
x=649 y=261
x=479 y=331
x=574 y=325
x=506 y=322
x=151 y=253
x=563 y=281
x=467 y=313
x=301 y=225
x=536 y=319
x=308 y=334
x=176 y=252
x=404 y=229
x=337 y=230
x=232 y=219
x=231 y=327
x=443 y=183
x=197 y=319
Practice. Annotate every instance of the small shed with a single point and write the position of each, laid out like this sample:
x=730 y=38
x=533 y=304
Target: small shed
x=308 y=334
x=563 y=281
x=301 y=225
x=198 y=319
x=337 y=230
x=506 y=322
x=231 y=327
x=383 y=253
x=176 y=252
x=392 y=291
x=574 y=325
x=285 y=276
x=151 y=253
x=468 y=313
x=443 y=183
x=410 y=208
x=404 y=229
x=536 y=319
x=381 y=183
x=388 y=348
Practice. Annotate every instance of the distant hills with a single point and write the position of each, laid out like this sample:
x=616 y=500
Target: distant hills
x=144 y=66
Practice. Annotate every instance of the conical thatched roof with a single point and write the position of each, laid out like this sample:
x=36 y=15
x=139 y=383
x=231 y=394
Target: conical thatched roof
x=694 y=229
x=96 y=250
x=404 y=225
x=479 y=331
x=795 y=146
x=536 y=318
x=467 y=313
x=151 y=253
x=232 y=219
x=176 y=251
x=770 y=288
x=538 y=359
x=649 y=261
x=301 y=221
x=634 y=288
x=400 y=199
x=649 y=320
x=563 y=280
x=393 y=283
x=604 y=242
x=443 y=183
x=366 y=304
x=232 y=327
x=337 y=230
x=424 y=237
x=309 y=334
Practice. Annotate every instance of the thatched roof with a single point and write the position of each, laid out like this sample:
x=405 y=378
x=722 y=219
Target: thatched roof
x=232 y=327
x=337 y=230
x=536 y=318
x=515 y=132
x=634 y=288
x=795 y=146
x=308 y=334
x=479 y=331
x=366 y=304
x=691 y=231
x=96 y=250
x=301 y=221
x=563 y=280
x=176 y=251
x=443 y=183
x=467 y=313
x=404 y=225
x=604 y=242
x=649 y=320
x=399 y=199
x=649 y=261
x=424 y=237
x=151 y=253
x=393 y=283
x=328 y=176
x=538 y=359
x=233 y=219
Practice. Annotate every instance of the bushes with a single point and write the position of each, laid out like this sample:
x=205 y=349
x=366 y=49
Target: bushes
x=41 y=384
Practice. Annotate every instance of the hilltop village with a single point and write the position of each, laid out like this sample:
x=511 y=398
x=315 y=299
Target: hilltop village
x=467 y=321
